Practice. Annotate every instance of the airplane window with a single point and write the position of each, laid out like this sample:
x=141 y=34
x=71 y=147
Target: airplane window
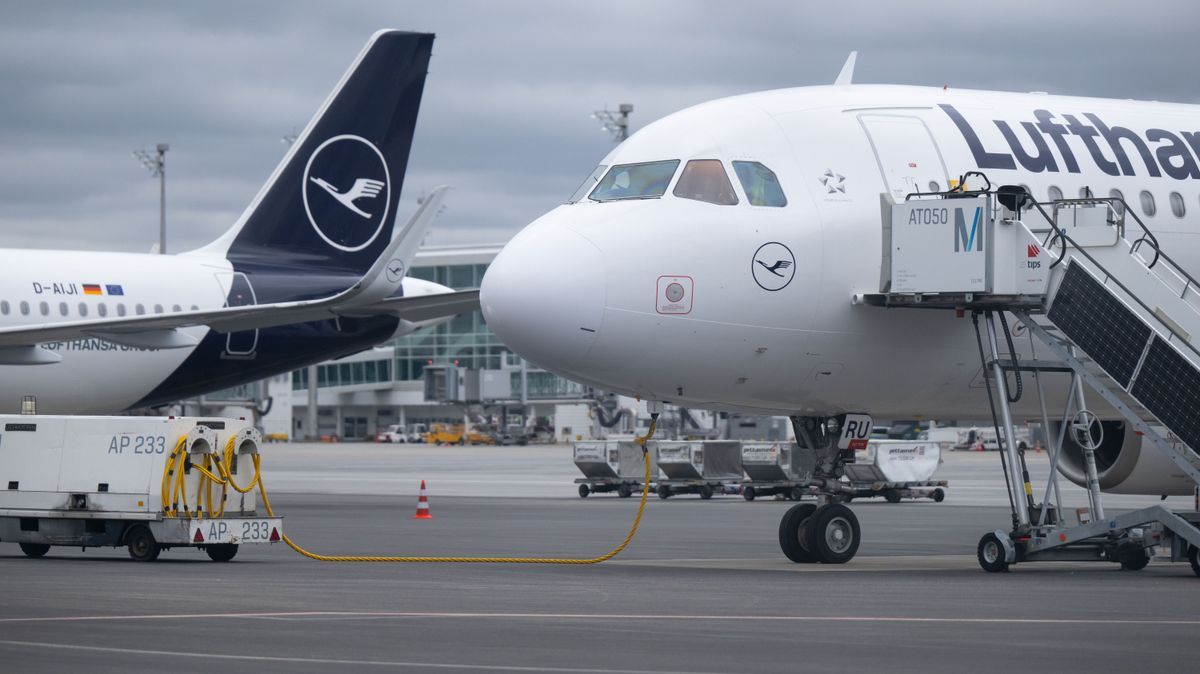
x=24 y=308
x=195 y=308
x=120 y=309
x=1120 y=205
x=1054 y=193
x=44 y=308
x=4 y=307
x=587 y=184
x=83 y=308
x=158 y=308
x=635 y=181
x=705 y=180
x=1177 y=206
x=102 y=309
x=762 y=187
x=1148 y=206
x=1085 y=192
x=139 y=310
x=63 y=308
x=176 y=308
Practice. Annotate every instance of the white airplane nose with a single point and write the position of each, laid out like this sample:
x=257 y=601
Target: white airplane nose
x=543 y=296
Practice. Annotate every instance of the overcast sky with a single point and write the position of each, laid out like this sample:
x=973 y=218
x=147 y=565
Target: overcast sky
x=505 y=117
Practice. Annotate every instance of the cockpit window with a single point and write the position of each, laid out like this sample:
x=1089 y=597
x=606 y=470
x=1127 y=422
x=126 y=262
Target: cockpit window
x=635 y=181
x=588 y=184
x=761 y=185
x=706 y=180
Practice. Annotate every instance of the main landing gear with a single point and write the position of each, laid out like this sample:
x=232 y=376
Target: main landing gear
x=828 y=533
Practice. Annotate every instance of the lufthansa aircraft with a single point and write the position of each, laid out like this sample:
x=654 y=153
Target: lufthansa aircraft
x=712 y=259
x=310 y=271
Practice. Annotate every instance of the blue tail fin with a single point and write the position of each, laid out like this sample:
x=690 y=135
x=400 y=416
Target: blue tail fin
x=331 y=203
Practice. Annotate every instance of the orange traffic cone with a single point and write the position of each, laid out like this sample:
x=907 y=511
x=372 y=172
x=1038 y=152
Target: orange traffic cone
x=422 y=505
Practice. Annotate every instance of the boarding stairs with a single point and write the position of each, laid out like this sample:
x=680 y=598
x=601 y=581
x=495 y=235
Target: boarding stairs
x=1090 y=281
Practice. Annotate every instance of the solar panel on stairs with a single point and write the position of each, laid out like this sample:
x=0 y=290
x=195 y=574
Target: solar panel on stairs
x=1099 y=324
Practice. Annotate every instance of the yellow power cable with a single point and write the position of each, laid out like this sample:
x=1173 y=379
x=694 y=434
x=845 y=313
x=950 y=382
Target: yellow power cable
x=641 y=442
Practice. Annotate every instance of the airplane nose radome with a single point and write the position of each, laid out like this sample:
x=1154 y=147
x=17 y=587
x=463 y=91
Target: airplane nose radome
x=543 y=296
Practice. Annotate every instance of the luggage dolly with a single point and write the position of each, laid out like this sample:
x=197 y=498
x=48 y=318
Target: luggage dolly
x=868 y=481
x=790 y=490
x=705 y=488
x=602 y=485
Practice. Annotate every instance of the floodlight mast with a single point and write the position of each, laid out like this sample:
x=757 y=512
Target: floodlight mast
x=157 y=165
x=615 y=123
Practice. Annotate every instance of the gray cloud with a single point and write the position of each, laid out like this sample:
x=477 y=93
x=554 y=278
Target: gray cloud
x=505 y=118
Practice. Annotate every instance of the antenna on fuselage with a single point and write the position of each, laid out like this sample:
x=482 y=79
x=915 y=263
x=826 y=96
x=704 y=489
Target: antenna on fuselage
x=847 y=73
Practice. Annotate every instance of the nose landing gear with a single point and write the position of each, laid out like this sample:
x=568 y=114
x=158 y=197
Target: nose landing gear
x=829 y=533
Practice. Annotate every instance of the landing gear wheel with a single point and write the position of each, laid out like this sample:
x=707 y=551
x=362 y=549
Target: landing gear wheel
x=222 y=552
x=624 y=491
x=1133 y=558
x=584 y=491
x=991 y=554
x=939 y=495
x=892 y=496
x=141 y=543
x=833 y=534
x=791 y=533
x=1194 y=559
x=706 y=492
x=34 y=550
x=748 y=493
x=664 y=492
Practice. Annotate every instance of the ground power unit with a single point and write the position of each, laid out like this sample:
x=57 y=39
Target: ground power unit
x=146 y=483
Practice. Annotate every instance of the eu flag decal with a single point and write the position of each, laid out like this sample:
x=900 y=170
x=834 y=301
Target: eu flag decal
x=113 y=290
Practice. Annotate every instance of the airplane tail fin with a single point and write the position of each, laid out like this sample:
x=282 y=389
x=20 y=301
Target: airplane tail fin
x=331 y=203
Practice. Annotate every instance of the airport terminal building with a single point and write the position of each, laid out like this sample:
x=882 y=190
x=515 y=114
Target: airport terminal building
x=364 y=393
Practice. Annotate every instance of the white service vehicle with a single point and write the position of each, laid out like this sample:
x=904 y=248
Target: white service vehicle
x=146 y=483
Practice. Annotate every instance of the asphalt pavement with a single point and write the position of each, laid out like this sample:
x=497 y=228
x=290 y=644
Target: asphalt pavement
x=703 y=588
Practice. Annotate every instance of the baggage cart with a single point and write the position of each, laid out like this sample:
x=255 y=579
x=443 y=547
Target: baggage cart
x=612 y=465
x=699 y=467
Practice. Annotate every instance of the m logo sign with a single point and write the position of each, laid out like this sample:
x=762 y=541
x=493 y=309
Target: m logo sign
x=967 y=239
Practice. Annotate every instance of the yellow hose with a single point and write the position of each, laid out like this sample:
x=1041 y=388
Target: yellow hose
x=224 y=477
x=641 y=441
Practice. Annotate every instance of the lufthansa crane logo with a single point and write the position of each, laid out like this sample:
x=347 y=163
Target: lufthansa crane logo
x=773 y=266
x=347 y=192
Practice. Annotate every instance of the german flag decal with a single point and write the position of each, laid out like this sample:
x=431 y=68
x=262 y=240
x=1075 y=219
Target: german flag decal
x=91 y=289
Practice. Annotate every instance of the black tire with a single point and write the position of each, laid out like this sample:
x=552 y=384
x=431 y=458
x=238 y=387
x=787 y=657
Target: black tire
x=1133 y=558
x=624 y=491
x=584 y=491
x=1194 y=559
x=796 y=493
x=791 y=533
x=892 y=496
x=706 y=492
x=833 y=534
x=222 y=552
x=141 y=544
x=748 y=493
x=664 y=492
x=990 y=554
x=34 y=550
x=939 y=495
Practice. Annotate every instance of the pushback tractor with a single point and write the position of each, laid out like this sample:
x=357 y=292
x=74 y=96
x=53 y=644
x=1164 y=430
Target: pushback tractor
x=144 y=483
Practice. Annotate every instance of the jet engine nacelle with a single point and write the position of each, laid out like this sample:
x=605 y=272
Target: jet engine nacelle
x=1125 y=463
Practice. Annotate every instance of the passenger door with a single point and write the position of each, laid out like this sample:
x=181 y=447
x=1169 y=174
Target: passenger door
x=908 y=157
